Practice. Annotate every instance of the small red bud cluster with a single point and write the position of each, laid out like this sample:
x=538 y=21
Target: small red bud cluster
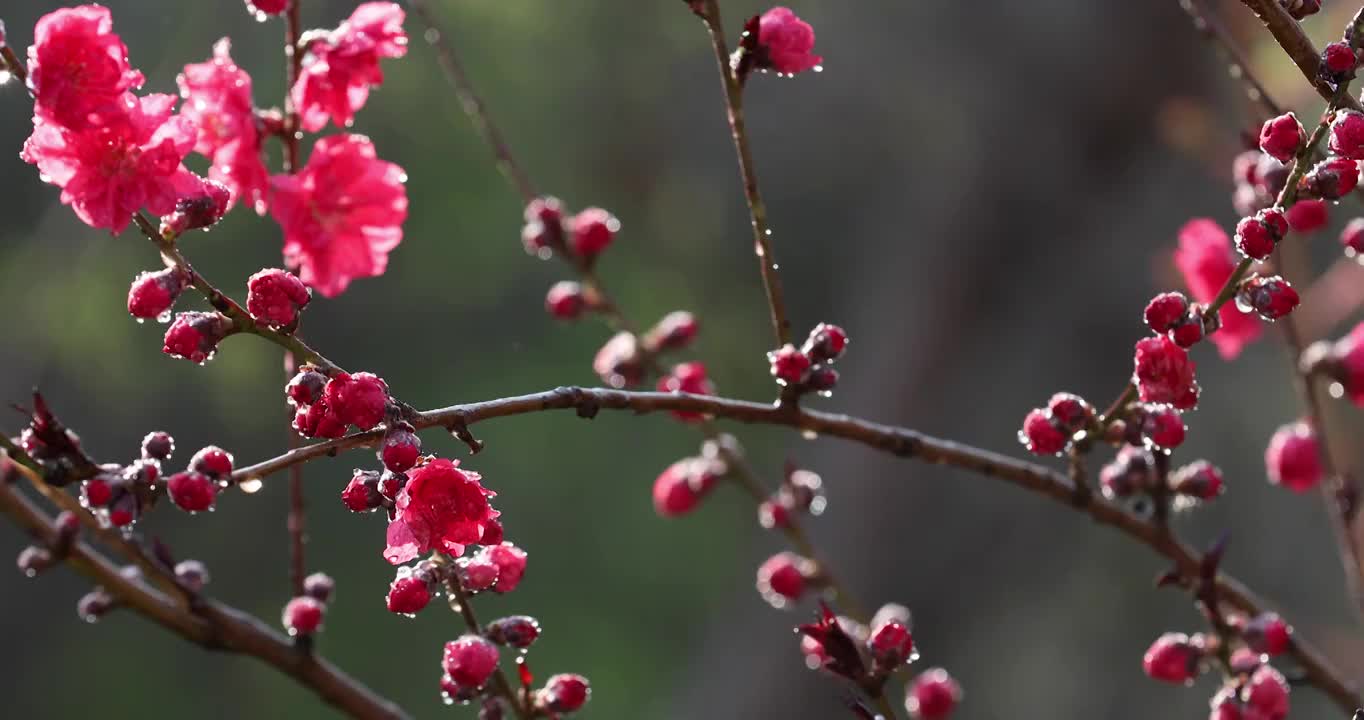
x=810 y=369
x=324 y=406
x=801 y=491
x=1172 y=315
x=581 y=238
x=623 y=360
x=868 y=655
x=1253 y=689
x=1050 y=430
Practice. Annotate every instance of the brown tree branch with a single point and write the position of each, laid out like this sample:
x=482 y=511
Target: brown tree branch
x=757 y=210
x=1299 y=47
x=208 y=623
x=899 y=441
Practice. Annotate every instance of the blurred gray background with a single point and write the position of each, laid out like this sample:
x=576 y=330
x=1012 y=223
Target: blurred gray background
x=983 y=193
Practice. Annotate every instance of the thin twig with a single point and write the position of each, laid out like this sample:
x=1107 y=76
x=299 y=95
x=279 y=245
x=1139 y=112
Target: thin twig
x=470 y=101
x=1215 y=32
x=296 y=521
x=1299 y=47
x=757 y=210
x=899 y=441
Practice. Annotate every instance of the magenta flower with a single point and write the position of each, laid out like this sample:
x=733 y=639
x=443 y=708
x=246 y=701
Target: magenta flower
x=340 y=68
x=218 y=99
x=786 y=42
x=342 y=213
x=442 y=508
x=78 y=68
x=108 y=172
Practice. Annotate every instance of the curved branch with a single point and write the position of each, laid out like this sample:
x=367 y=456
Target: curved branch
x=900 y=441
x=211 y=625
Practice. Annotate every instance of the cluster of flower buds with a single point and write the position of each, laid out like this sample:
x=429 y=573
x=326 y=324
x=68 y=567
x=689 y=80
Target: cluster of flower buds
x=118 y=495
x=623 y=360
x=1134 y=473
x=583 y=236
x=810 y=368
x=801 y=491
x=195 y=489
x=1257 y=235
x=868 y=655
x=1050 y=430
x=777 y=41
x=303 y=615
x=1253 y=689
x=470 y=661
x=1171 y=314
x=324 y=406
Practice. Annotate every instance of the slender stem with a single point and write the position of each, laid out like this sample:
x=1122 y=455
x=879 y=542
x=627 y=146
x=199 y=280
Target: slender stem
x=757 y=210
x=470 y=101
x=461 y=603
x=293 y=57
x=296 y=521
x=241 y=319
x=208 y=623
x=1206 y=22
x=899 y=441
x=1338 y=490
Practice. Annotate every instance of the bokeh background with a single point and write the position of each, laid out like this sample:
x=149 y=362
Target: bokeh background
x=983 y=193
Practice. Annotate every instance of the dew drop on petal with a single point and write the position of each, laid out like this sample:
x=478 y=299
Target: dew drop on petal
x=163 y=318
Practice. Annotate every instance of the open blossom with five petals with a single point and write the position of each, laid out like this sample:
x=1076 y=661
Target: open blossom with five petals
x=78 y=68
x=342 y=213
x=108 y=172
x=218 y=99
x=1206 y=259
x=341 y=66
x=442 y=508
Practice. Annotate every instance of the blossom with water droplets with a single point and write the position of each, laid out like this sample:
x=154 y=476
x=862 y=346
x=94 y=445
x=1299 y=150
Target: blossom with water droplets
x=341 y=66
x=442 y=508
x=342 y=213
x=78 y=68
x=217 y=97
x=109 y=171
